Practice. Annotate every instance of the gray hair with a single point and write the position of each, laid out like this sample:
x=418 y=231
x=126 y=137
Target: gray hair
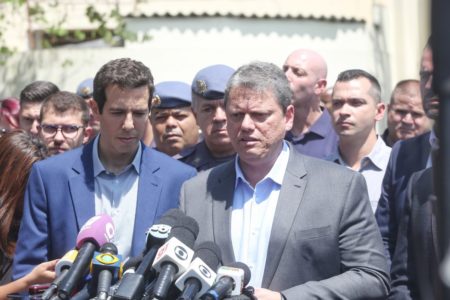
x=262 y=77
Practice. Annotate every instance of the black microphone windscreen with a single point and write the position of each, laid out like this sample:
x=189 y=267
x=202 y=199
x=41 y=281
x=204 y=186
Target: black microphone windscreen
x=171 y=217
x=209 y=253
x=109 y=248
x=185 y=230
x=245 y=268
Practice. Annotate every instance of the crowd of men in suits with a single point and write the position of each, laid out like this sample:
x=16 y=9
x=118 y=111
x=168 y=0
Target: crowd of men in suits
x=311 y=197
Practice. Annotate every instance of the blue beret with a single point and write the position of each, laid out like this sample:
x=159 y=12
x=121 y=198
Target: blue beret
x=86 y=88
x=171 y=94
x=210 y=82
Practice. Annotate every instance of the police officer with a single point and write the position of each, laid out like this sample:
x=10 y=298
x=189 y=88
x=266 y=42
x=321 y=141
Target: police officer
x=208 y=89
x=175 y=130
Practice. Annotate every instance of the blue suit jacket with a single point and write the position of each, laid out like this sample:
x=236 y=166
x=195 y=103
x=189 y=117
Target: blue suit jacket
x=407 y=157
x=60 y=198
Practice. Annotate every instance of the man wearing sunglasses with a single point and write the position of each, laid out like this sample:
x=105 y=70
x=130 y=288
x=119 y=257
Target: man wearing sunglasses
x=63 y=120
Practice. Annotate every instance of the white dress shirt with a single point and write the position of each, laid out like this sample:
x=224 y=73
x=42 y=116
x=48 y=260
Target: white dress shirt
x=253 y=214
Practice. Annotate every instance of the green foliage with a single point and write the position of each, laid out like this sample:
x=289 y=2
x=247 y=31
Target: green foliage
x=109 y=26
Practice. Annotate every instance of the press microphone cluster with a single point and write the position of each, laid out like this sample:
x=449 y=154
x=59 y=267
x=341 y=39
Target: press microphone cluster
x=169 y=266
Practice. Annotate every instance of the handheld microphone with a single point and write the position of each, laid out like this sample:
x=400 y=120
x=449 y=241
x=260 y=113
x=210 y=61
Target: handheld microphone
x=174 y=257
x=61 y=269
x=229 y=282
x=200 y=275
x=132 y=284
x=105 y=269
x=95 y=233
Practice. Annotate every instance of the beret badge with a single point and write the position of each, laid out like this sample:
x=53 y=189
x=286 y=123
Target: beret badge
x=201 y=87
x=156 y=101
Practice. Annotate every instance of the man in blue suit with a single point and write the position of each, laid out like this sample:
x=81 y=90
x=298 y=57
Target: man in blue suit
x=115 y=174
x=407 y=157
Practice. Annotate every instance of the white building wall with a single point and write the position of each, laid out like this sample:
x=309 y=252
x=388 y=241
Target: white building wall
x=180 y=47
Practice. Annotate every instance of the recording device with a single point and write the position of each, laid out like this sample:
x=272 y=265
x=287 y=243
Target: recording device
x=173 y=258
x=137 y=270
x=61 y=269
x=229 y=282
x=200 y=275
x=97 y=231
x=105 y=269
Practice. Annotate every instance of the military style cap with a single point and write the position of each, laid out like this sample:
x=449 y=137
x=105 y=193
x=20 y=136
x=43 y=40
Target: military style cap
x=86 y=88
x=210 y=82
x=171 y=94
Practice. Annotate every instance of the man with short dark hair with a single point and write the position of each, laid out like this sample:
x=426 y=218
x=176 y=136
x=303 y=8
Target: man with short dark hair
x=208 y=89
x=175 y=130
x=303 y=225
x=356 y=107
x=405 y=117
x=31 y=98
x=64 y=122
x=115 y=174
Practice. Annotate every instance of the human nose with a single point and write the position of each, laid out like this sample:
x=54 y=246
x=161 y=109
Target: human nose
x=128 y=122
x=247 y=123
x=58 y=135
x=219 y=115
x=34 y=127
x=408 y=119
x=171 y=122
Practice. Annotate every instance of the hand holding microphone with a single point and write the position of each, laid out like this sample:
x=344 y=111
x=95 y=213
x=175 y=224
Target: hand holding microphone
x=61 y=269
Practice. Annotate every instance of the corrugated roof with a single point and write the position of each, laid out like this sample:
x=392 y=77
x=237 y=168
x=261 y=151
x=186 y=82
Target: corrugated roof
x=345 y=10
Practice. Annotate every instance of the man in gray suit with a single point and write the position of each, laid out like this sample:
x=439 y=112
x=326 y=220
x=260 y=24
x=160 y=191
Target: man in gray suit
x=303 y=226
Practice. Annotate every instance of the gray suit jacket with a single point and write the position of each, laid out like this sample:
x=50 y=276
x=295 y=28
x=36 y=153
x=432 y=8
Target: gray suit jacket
x=324 y=242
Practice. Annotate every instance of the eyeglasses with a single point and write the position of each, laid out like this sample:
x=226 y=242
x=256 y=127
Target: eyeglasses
x=68 y=131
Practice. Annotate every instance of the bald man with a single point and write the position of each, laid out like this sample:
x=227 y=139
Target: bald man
x=406 y=116
x=312 y=133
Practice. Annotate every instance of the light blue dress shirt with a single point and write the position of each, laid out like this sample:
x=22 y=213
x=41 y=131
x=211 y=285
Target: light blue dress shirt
x=116 y=196
x=373 y=167
x=253 y=214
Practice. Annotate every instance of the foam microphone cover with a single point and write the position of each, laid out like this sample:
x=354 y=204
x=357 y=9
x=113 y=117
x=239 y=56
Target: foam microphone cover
x=98 y=230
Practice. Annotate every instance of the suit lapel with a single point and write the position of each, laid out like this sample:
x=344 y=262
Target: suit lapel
x=291 y=195
x=82 y=188
x=222 y=193
x=148 y=197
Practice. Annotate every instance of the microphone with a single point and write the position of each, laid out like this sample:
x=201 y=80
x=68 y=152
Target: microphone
x=61 y=269
x=132 y=284
x=97 y=231
x=105 y=269
x=200 y=276
x=174 y=257
x=230 y=281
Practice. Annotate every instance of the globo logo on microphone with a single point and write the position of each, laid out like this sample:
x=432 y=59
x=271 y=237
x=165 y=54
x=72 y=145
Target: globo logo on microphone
x=181 y=252
x=204 y=270
x=173 y=251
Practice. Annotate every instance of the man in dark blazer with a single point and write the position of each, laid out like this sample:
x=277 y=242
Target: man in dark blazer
x=304 y=226
x=114 y=174
x=407 y=157
x=415 y=267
